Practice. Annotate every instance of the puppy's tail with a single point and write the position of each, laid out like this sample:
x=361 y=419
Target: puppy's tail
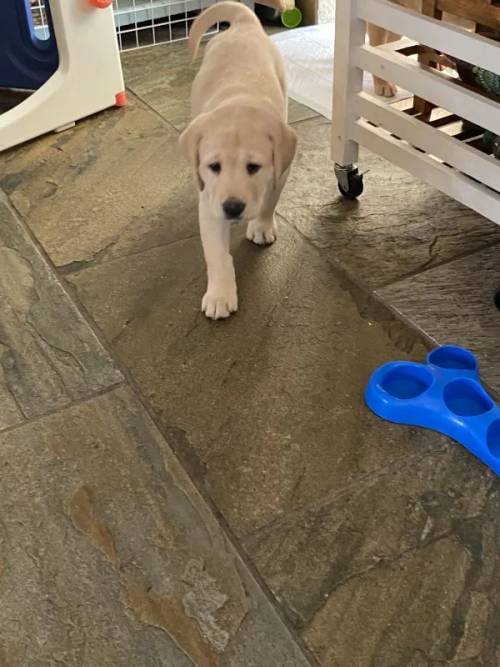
x=220 y=12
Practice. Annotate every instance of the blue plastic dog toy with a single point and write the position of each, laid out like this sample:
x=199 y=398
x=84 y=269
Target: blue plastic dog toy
x=444 y=394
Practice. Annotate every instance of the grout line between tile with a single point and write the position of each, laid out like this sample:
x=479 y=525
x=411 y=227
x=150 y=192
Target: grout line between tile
x=63 y=408
x=77 y=267
x=152 y=109
x=418 y=272
x=359 y=289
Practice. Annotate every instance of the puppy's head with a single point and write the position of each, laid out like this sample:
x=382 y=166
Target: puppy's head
x=238 y=154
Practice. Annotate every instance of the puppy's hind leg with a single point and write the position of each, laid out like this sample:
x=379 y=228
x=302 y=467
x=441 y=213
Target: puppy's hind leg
x=221 y=297
x=263 y=230
x=377 y=37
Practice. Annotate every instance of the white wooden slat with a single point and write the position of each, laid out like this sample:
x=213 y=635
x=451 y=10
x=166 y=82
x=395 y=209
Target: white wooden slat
x=430 y=85
x=436 y=34
x=466 y=159
x=478 y=197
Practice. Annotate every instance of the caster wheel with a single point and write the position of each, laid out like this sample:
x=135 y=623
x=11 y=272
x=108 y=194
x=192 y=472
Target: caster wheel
x=355 y=182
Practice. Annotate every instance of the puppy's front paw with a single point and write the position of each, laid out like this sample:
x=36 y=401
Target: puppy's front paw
x=218 y=304
x=261 y=233
x=384 y=88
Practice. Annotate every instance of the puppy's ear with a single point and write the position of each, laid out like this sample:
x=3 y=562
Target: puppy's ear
x=284 y=140
x=189 y=142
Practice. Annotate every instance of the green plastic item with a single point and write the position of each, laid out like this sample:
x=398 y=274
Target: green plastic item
x=291 y=18
x=488 y=80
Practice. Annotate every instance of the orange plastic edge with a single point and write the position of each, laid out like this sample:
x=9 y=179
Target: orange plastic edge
x=100 y=4
x=121 y=99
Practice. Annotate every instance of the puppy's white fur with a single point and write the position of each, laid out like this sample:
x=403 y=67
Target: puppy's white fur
x=239 y=144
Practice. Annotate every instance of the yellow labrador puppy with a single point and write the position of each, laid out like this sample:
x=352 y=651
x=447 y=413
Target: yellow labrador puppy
x=239 y=143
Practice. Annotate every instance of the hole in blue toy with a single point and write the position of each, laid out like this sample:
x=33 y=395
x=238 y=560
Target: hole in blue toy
x=493 y=438
x=454 y=358
x=407 y=381
x=466 y=398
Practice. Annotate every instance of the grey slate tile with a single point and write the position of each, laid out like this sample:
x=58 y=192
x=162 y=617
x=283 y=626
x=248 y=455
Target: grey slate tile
x=110 y=557
x=49 y=355
x=455 y=303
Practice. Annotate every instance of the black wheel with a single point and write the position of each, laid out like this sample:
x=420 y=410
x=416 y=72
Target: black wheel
x=496 y=299
x=355 y=180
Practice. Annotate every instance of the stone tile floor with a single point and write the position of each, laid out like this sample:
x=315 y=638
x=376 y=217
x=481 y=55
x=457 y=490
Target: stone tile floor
x=178 y=492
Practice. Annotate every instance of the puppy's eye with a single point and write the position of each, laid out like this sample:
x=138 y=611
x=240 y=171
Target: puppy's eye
x=215 y=167
x=253 y=168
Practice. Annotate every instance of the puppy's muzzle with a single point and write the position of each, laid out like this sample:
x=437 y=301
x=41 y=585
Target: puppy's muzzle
x=233 y=208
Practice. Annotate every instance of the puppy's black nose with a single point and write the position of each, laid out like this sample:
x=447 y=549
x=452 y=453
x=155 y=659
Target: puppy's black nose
x=233 y=208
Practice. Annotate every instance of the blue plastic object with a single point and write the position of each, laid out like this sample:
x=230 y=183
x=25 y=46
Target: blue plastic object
x=443 y=394
x=26 y=61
